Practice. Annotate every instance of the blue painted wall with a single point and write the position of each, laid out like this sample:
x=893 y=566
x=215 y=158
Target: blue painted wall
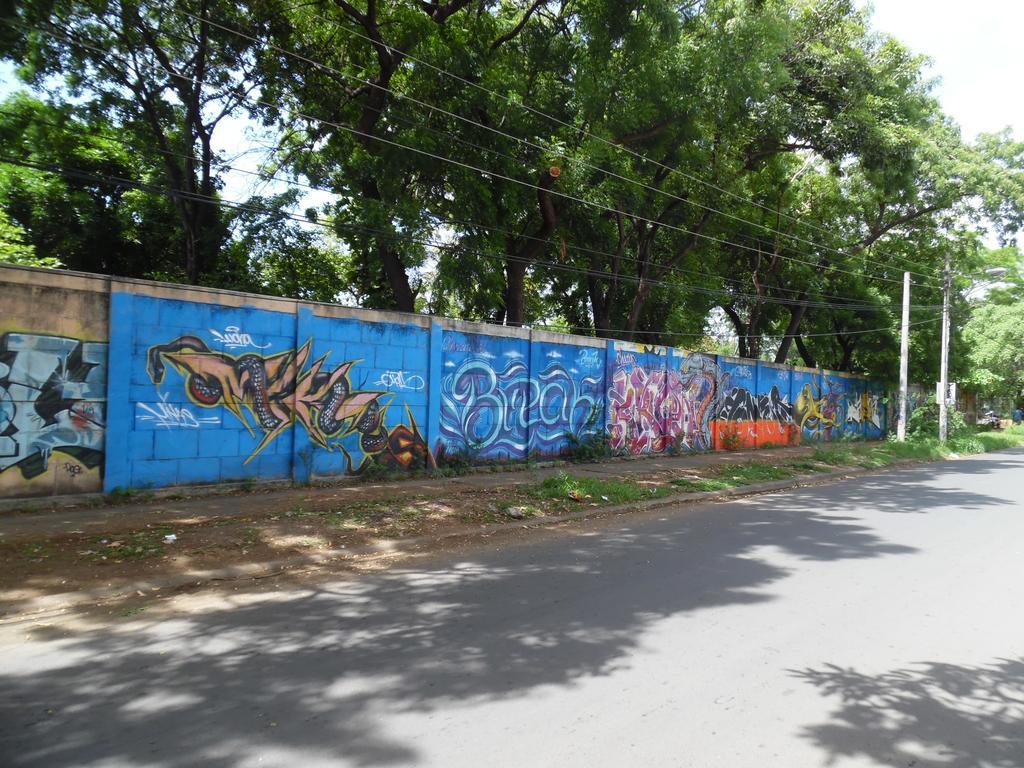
x=566 y=396
x=204 y=393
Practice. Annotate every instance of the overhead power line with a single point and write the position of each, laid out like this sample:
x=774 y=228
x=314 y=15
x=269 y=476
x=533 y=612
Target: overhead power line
x=470 y=225
x=468 y=166
x=580 y=131
x=236 y=205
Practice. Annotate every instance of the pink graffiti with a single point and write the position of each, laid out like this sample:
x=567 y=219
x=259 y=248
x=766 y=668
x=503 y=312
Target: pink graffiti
x=653 y=412
x=644 y=414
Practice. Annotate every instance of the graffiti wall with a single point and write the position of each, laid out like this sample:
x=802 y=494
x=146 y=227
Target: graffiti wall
x=110 y=384
x=566 y=396
x=53 y=385
x=775 y=425
x=699 y=379
x=224 y=393
x=816 y=405
x=644 y=409
x=52 y=402
x=736 y=418
x=364 y=398
x=485 y=393
x=505 y=398
x=873 y=410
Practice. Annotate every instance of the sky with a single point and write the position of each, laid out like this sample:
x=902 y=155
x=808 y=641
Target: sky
x=976 y=53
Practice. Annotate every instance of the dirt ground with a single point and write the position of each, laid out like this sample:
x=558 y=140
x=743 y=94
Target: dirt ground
x=103 y=548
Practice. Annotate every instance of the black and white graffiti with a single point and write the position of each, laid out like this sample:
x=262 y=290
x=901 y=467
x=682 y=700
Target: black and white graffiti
x=774 y=406
x=738 y=405
x=52 y=398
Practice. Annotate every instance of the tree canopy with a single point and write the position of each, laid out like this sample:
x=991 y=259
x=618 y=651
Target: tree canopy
x=644 y=170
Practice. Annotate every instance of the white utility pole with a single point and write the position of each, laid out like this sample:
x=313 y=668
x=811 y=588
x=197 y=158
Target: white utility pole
x=901 y=425
x=944 y=369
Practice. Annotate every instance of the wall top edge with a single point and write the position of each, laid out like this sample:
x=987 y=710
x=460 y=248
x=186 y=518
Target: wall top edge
x=738 y=360
x=843 y=374
x=21 y=275
x=481 y=329
x=570 y=339
x=342 y=312
x=89 y=281
x=641 y=349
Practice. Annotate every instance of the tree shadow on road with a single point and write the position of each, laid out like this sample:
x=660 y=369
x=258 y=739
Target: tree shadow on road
x=928 y=715
x=925 y=488
x=318 y=670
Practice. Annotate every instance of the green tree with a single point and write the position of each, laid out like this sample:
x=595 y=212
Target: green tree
x=993 y=341
x=14 y=248
x=165 y=76
x=68 y=184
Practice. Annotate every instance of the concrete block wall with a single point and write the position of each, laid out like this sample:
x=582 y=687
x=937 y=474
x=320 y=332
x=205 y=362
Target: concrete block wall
x=152 y=385
x=53 y=382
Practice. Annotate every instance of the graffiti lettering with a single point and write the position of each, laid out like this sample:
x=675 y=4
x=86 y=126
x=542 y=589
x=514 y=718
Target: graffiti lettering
x=502 y=413
x=269 y=393
x=49 y=386
x=400 y=380
x=486 y=410
x=650 y=412
x=166 y=414
x=234 y=338
x=588 y=358
x=815 y=411
x=72 y=469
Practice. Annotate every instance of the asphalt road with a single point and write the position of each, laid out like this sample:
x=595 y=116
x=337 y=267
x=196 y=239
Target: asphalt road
x=873 y=622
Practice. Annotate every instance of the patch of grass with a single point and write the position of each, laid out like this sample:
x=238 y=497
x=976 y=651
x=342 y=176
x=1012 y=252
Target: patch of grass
x=702 y=485
x=746 y=474
x=829 y=456
x=1012 y=437
x=807 y=466
x=565 y=486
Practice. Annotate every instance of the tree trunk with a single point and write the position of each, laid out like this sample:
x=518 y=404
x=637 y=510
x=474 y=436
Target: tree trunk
x=805 y=353
x=391 y=261
x=796 y=316
x=741 y=329
x=521 y=258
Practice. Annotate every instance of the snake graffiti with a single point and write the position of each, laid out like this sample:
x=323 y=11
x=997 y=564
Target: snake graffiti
x=52 y=396
x=268 y=393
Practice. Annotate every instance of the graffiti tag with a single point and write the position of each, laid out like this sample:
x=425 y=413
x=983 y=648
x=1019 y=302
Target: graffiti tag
x=234 y=338
x=589 y=359
x=169 y=415
x=650 y=411
x=400 y=380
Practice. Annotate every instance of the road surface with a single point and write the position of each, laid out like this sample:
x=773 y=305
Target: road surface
x=873 y=622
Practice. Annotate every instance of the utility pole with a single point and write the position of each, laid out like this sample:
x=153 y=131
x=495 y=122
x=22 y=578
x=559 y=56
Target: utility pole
x=944 y=369
x=901 y=425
